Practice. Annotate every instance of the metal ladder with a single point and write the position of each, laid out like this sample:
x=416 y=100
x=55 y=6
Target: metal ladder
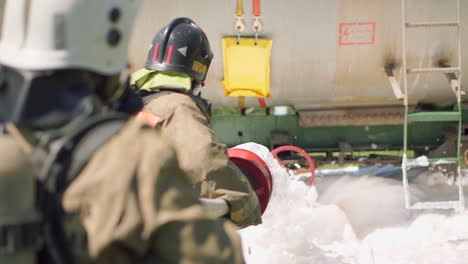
x=445 y=116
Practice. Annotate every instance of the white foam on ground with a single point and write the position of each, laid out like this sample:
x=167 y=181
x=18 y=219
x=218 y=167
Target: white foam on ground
x=350 y=219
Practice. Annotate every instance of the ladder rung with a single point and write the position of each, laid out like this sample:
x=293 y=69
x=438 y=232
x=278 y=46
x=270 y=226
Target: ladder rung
x=434 y=116
x=450 y=159
x=436 y=205
x=433 y=24
x=426 y=70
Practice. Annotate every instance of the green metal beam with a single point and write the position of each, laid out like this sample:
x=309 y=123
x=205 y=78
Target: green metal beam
x=434 y=116
x=234 y=130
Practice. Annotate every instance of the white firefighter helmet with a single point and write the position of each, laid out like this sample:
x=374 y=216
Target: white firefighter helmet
x=64 y=34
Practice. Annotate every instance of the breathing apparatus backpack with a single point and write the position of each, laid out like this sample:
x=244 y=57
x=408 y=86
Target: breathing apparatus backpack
x=57 y=161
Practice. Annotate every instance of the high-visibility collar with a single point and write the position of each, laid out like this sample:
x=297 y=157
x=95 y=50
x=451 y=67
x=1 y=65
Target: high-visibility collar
x=147 y=79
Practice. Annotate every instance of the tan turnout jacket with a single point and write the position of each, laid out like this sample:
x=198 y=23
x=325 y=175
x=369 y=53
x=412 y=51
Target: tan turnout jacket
x=205 y=161
x=133 y=204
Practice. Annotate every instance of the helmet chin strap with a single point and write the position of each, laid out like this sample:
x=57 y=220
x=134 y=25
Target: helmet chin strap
x=196 y=91
x=196 y=88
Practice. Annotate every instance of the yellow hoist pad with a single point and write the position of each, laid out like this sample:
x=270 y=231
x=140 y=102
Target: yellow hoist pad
x=246 y=67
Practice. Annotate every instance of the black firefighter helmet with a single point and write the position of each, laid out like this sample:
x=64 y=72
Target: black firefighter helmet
x=181 y=46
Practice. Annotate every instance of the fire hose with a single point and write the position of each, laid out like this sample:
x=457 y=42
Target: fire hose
x=309 y=159
x=258 y=174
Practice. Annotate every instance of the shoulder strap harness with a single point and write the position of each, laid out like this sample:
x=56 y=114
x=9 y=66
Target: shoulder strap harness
x=58 y=161
x=202 y=104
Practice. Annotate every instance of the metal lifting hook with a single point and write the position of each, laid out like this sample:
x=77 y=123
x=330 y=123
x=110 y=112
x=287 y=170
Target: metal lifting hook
x=240 y=27
x=257 y=27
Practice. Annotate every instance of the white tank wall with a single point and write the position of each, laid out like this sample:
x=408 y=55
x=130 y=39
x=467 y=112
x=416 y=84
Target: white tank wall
x=309 y=67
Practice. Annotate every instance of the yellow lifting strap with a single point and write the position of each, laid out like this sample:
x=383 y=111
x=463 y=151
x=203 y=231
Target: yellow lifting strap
x=246 y=67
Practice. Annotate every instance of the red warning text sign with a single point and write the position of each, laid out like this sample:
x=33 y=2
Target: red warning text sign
x=362 y=33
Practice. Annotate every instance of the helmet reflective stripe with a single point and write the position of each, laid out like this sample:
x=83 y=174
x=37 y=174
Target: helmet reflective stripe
x=169 y=54
x=60 y=34
x=155 y=52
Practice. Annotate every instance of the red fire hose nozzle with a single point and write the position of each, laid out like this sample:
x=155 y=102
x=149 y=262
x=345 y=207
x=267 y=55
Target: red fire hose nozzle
x=257 y=172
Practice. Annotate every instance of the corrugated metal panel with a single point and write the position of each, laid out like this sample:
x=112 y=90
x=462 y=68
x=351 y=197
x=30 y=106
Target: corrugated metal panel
x=352 y=117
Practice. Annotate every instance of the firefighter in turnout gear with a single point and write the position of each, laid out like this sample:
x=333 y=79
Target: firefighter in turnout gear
x=170 y=85
x=80 y=180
